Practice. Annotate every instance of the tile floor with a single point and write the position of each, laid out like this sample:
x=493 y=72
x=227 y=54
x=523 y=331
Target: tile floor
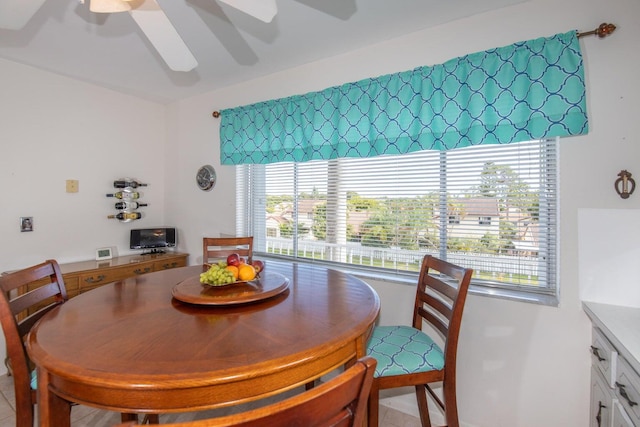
x=83 y=416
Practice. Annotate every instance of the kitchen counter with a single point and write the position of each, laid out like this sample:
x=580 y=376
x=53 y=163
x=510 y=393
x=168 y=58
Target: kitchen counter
x=621 y=325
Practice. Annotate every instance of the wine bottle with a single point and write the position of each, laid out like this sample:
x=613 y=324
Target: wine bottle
x=126 y=195
x=125 y=215
x=124 y=183
x=129 y=205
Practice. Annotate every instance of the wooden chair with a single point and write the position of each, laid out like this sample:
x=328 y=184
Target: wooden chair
x=218 y=248
x=16 y=324
x=340 y=401
x=408 y=356
x=19 y=311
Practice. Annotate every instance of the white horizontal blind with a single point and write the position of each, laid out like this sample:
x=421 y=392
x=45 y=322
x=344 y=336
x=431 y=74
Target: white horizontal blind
x=490 y=207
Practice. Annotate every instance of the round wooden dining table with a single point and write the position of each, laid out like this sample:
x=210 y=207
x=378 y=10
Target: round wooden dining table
x=131 y=347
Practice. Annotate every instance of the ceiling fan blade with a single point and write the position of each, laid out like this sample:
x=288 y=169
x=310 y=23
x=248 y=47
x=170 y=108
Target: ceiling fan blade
x=108 y=6
x=263 y=10
x=163 y=36
x=14 y=14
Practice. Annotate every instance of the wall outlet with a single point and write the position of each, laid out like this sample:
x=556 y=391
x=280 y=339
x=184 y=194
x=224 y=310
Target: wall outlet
x=72 y=185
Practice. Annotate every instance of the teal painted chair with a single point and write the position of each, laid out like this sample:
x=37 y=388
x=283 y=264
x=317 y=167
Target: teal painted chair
x=409 y=356
x=19 y=311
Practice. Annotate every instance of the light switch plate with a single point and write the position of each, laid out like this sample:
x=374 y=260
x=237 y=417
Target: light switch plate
x=72 y=186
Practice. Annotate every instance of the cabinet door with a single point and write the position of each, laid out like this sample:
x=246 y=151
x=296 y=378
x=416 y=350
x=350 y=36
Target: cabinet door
x=166 y=264
x=604 y=356
x=72 y=284
x=99 y=277
x=601 y=400
x=620 y=417
x=628 y=390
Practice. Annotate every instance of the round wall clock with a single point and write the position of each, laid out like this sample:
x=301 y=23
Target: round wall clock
x=206 y=177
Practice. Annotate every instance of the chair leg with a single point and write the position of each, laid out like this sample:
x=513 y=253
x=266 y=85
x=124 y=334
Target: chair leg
x=25 y=409
x=26 y=418
x=7 y=364
x=423 y=405
x=451 y=404
x=372 y=406
x=124 y=417
x=148 y=419
x=151 y=419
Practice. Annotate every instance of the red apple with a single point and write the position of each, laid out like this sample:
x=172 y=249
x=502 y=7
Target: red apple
x=233 y=259
x=258 y=265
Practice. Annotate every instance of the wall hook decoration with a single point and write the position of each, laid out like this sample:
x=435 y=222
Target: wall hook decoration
x=625 y=184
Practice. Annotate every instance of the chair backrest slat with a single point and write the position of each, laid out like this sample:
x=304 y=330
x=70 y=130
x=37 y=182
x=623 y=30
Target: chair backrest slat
x=436 y=323
x=443 y=288
x=219 y=248
x=42 y=293
x=437 y=305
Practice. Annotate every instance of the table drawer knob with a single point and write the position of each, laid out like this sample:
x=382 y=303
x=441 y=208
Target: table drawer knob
x=97 y=279
x=623 y=393
x=142 y=270
x=596 y=353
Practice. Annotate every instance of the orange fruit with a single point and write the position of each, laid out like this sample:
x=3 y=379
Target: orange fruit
x=246 y=272
x=233 y=269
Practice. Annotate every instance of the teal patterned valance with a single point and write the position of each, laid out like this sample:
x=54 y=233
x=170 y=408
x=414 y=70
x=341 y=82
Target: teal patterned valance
x=528 y=90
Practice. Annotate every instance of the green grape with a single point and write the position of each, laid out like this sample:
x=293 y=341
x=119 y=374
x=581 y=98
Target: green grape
x=217 y=275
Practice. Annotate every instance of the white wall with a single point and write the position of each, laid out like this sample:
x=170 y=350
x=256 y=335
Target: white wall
x=520 y=365
x=53 y=129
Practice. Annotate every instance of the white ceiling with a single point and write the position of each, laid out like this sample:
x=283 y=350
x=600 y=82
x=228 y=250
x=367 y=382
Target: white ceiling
x=110 y=50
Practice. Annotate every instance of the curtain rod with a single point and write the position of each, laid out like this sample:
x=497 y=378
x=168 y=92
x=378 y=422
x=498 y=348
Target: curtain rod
x=602 y=31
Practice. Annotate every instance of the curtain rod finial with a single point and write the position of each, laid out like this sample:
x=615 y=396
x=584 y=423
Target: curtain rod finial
x=602 y=31
x=605 y=29
x=216 y=114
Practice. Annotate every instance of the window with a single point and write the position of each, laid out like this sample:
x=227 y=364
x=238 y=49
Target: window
x=489 y=207
x=484 y=220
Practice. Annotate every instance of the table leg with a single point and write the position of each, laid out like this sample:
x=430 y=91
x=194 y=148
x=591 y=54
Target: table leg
x=53 y=411
x=125 y=417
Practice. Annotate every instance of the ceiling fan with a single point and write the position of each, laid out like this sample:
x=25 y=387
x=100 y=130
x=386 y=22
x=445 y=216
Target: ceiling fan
x=148 y=15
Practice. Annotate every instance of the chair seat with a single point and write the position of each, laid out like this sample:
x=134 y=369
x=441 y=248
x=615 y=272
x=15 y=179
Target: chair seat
x=402 y=350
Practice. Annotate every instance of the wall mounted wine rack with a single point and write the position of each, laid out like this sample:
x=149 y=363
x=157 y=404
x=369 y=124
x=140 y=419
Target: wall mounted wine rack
x=128 y=201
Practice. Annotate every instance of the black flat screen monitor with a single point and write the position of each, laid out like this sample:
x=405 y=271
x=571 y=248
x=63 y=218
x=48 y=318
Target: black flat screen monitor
x=153 y=238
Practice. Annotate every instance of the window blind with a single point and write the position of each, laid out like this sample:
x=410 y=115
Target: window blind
x=492 y=208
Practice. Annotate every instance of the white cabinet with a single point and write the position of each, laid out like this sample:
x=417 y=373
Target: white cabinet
x=620 y=417
x=604 y=360
x=628 y=390
x=615 y=371
x=604 y=356
x=601 y=400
